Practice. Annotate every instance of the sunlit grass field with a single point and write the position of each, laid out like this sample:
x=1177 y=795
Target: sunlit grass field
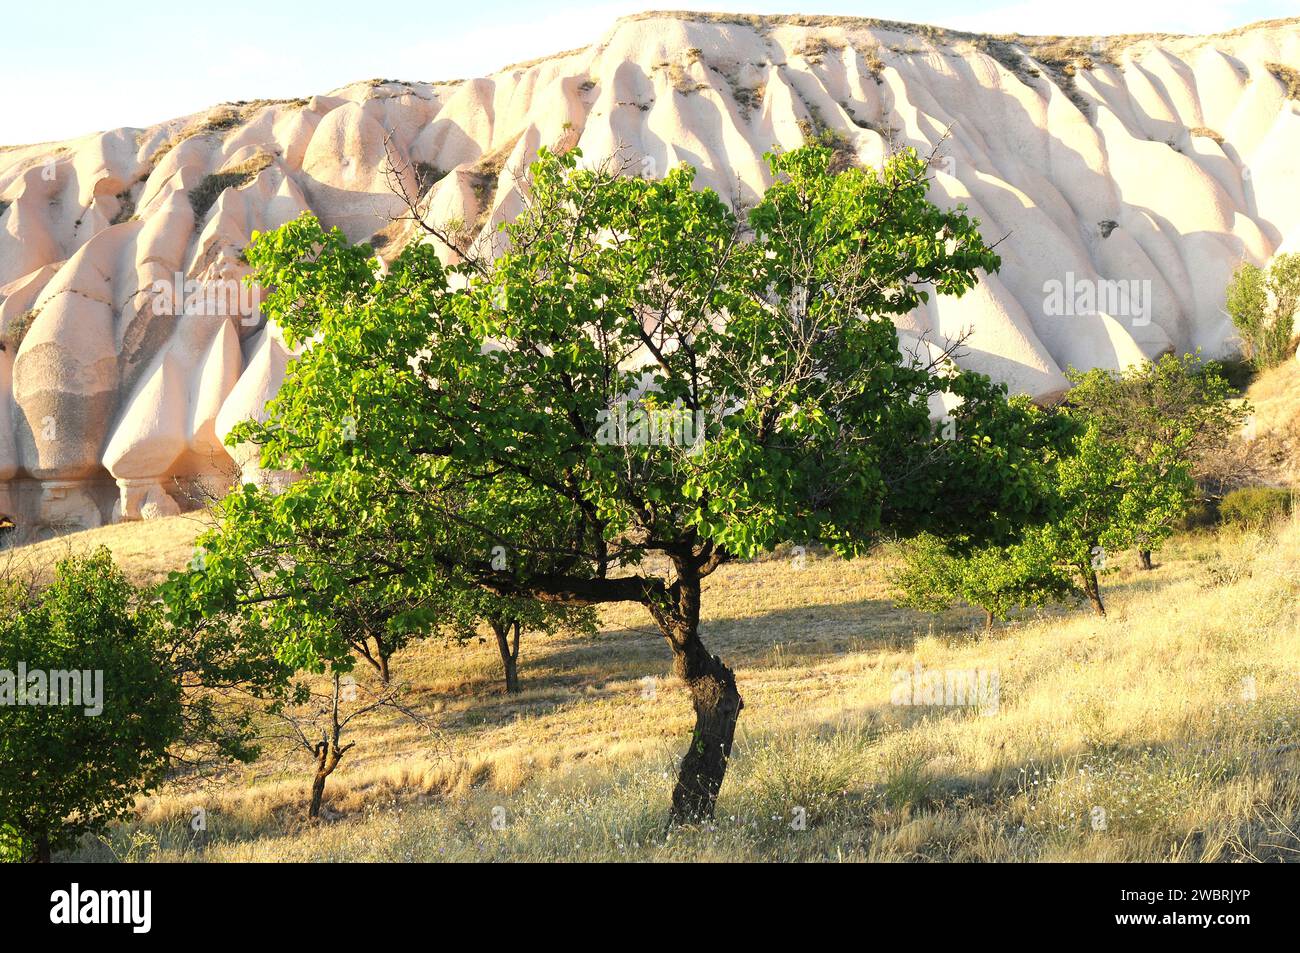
x=1170 y=730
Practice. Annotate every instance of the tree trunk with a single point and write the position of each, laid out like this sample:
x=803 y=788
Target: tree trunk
x=509 y=653
x=327 y=759
x=1144 y=558
x=717 y=709
x=716 y=700
x=41 y=850
x=988 y=619
x=328 y=754
x=376 y=659
x=1093 y=589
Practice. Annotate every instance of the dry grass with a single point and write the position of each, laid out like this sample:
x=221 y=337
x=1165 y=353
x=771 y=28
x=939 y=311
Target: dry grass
x=1176 y=715
x=935 y=34
x=220 y=120
x=1275 y=424
x=145 y=551
x=204 y=195
x=875 y=64
x=1288 y=77
x=680 y=78
x=815 y=48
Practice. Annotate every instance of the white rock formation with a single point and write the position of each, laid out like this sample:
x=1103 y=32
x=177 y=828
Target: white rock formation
x=1123 y=177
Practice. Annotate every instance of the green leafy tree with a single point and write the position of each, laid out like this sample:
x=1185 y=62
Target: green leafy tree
x=1262 y=305
x=271 y=575
x=641 y=373
x=1125 y=479
x=1247 y=304
x=1284 y=286
x=997 y=579
x=1111 y=500
x=269 y=585
x=1173 y=415
x=67 y=769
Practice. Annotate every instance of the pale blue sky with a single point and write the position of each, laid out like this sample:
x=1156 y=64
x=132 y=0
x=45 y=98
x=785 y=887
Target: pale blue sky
x=76 y=66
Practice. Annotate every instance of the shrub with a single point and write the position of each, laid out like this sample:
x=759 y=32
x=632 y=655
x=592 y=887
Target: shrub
x=997 y=579
x=427 y=175
x=125 y=207
x=1255 y=506
x=1239 y=373
x=875 y=65
x=88 y=705
x=219 y=120
x=815 y=49
x=12 y=339
x=680 y=78
x=1202 y=514
x=817 y=131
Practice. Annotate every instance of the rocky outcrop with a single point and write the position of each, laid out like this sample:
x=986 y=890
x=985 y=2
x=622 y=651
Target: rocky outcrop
x=1124 y=178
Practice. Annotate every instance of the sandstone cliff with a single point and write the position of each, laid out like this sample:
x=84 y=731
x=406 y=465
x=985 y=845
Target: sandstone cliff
x=1139 y=170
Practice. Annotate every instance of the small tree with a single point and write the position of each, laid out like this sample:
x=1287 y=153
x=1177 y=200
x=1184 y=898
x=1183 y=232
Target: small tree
x=69 y=763
x=1110 y=499
x=325 y=611
x=1262 y=305
x=508 y=618
x=317 y=721
x=1173 y=414
x=271 y=573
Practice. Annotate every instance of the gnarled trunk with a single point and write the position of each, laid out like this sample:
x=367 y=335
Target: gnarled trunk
x=717 y=705
x=328 y=752
x=1144 y=558
x=327 y=759
x=716 y=700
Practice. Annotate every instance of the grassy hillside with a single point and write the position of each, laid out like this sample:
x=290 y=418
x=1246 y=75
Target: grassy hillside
x=145 y=551
x=1275 y=397
x=1177 y=715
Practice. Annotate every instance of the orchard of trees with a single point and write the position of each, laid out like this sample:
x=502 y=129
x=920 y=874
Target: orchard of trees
x=1140 y=440
x=457 y=473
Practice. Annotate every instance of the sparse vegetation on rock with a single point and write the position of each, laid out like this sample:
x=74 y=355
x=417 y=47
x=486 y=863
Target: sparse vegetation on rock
x=1288 y=76
x=17 y=330
x=204 y=195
